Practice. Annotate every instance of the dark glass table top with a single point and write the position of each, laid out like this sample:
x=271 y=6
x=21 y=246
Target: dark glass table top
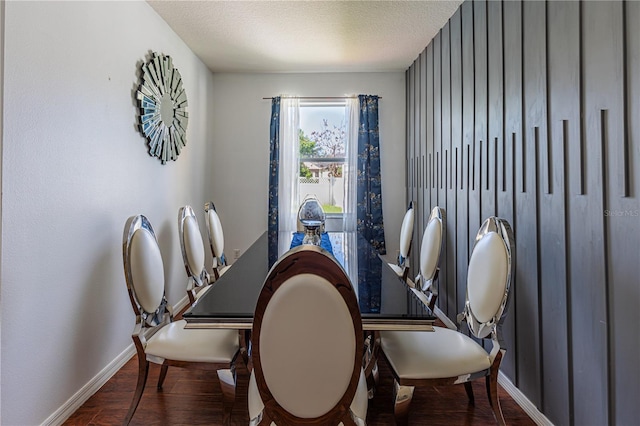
x=386 y=302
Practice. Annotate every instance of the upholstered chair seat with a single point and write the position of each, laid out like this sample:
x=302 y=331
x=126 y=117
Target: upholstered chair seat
x=178 y=343
x=442 y=353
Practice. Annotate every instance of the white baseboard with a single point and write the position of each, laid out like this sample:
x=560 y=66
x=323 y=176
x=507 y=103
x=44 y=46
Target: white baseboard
x=524 y=403
x=80 y=397
x=87 y=391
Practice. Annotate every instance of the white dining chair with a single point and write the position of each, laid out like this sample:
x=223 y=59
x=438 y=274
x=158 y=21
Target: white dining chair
x=307 y=345
x=157 y=337
x=448 y=356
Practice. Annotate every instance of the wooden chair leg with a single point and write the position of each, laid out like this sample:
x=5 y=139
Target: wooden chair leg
x=228 y=379
x=402 y=399
x=492 y=389
x=163 y=374
x=143 y=372
x=469 y=388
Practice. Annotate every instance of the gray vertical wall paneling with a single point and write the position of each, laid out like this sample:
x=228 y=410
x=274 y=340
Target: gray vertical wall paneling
x=416 y=139
x=411 y=130
x=512 y=19
x=440 y=195
x=564 y=122
x=479 y=143
x=423 y=147
x=486 y=149
x=468 y=104
x=502 y=161
x=478 y=138
x=420 y=148
x=566 y=173
x=431 y=189
x=453 y=213
x=408 y=130
x=415 y=113
x=601 y=77
x=624 y=256
x=534 y=137
x=418 y=219
x=447 y=262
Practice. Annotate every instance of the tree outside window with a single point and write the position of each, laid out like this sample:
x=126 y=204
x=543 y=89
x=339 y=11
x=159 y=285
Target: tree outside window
x=322 y=155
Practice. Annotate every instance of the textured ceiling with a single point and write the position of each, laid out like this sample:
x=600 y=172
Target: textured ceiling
x=306 y=36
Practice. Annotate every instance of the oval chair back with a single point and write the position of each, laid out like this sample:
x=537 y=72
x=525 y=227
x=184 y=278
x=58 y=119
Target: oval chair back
x=192 y=248
x=307 y=340
x=430 y=250
x=216 y=237
x=143 y=269
x=489 y=278
x=406 y=234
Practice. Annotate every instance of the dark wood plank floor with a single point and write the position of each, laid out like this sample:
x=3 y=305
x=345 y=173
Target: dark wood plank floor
x=193 y=398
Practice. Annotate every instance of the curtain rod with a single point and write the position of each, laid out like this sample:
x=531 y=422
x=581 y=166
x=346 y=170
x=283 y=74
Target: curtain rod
x=321 y=97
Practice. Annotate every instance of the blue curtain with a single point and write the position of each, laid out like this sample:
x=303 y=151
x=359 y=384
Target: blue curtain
x=369 y=188
x=274 y=148
x=369 y=278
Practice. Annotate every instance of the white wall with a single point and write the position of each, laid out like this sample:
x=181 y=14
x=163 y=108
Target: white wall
x=1 y=133
x=241 y=137
x=75 y=167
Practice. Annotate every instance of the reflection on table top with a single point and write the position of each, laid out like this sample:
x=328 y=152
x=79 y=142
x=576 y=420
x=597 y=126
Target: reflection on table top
x=385 y=300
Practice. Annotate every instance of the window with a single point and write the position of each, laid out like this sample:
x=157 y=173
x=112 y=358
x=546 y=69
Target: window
x=322 y=154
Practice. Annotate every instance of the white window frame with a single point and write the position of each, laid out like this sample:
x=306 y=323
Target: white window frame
x=334 y=220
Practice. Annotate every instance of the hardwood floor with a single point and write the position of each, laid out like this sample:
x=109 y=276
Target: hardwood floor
x=193 y=398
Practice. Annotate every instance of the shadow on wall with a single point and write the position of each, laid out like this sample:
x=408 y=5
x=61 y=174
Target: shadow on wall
x=167 y=236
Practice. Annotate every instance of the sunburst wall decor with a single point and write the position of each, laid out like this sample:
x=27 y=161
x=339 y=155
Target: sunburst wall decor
x=163 y=102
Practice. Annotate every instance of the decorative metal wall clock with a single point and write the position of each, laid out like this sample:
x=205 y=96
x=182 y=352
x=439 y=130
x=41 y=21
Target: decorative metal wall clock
x=163 y=102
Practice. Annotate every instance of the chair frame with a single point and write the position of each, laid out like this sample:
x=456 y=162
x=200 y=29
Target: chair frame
x=427 y=284
x=217 y=261
x=421 y=286
x=149 y=323
x=403 y=261
x=403 y=388
x=197 y=279
x=312 y=260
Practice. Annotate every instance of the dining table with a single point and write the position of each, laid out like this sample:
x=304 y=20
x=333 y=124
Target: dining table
x=386 y=301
